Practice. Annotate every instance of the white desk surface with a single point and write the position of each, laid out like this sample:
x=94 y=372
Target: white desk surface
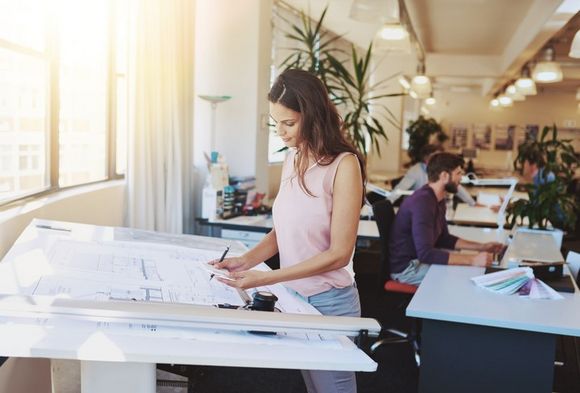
x=483 y=215
x=500 y=191
x=447 y=294
x=367 y=228
x=83 y=340
x=480 y=235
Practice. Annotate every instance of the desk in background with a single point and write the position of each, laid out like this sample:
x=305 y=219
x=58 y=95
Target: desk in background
x=474 y=340
x=251 y=229
x=474 y=215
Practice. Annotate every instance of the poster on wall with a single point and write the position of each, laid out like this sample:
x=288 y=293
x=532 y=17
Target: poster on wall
x=571 y=133
x=504 y=136
x=458 y=135
x=527 y=133
x=481 y=136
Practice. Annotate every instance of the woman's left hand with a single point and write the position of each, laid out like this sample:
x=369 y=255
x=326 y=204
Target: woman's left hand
x=247 y=279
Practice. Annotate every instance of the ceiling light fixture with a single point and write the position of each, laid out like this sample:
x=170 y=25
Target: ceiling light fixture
x=421 y=82
x=505 y=101
x=512 y=92
x=494 y=104
x=404 y=82
x=525 y=84
x=547 y=70
x=413 y=94
x=431 y=100
x=393 y=37
x=393 y=32
x=575 y=47
x=375 y=11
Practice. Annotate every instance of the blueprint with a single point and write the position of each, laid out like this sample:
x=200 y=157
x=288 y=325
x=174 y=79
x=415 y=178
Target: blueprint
x=132 y=271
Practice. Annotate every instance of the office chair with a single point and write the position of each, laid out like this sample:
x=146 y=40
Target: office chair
x=384 y=216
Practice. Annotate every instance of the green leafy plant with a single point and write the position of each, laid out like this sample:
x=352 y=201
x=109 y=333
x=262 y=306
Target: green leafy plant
x=549 y=201
x=350 y=90
x=421 y=132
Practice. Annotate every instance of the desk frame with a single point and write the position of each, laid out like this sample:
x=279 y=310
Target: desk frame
x=498 y=360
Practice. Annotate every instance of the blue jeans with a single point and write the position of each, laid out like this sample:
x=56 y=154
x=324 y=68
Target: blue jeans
x=337 y=302
x=413 y=274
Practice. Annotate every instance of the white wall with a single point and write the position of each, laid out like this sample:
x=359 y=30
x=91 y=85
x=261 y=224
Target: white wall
x=542 y=109
x=99 y=204
x=232 y=57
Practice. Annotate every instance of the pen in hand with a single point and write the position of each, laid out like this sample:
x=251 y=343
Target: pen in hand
x=221 y=260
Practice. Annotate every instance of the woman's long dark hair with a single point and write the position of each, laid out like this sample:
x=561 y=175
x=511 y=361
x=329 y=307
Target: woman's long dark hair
x=321 y=133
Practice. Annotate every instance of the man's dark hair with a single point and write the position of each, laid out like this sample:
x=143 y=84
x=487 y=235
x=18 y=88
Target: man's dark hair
x=429 y=149
x=533 y=156
x=442 y=162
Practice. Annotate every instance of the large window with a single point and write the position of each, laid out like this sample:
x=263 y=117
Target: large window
x=58 y=94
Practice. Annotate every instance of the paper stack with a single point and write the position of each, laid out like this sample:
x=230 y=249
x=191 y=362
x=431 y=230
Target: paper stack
x=520 y=280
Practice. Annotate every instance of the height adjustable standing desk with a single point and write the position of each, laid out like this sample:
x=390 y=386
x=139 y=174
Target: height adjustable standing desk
x=115 y=299
x=474 y=340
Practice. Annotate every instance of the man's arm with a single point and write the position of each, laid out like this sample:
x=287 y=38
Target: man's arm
x=493 y=247
x=465 y=196
x=479 y=259
x=406 y=183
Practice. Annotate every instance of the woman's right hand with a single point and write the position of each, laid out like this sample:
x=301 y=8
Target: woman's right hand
x=234 y=264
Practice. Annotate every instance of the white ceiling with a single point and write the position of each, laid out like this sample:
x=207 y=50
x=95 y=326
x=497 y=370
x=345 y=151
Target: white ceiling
x=469 y=27
x=478 y=44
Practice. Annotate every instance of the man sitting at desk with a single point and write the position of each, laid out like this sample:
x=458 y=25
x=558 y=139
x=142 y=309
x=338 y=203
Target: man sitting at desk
x=416 y=177
x=420 y=237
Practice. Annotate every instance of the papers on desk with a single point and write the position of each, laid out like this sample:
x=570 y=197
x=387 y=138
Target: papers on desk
x=519 y=280
x=487 y=199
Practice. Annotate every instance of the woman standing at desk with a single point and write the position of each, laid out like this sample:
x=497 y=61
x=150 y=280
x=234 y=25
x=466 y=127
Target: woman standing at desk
x=315 y=214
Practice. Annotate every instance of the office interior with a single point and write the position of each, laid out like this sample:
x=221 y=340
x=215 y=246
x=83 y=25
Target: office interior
x=110 y=109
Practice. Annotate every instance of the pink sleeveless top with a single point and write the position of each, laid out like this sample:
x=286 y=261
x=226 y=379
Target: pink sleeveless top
x=302 y=224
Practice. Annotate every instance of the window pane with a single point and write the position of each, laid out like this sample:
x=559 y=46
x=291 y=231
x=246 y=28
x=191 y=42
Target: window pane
x=23 y=125
x=83 y=34
x=121 y=67
x=22 y=22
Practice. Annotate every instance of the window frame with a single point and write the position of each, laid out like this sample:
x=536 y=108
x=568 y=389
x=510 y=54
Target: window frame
x=51 y=57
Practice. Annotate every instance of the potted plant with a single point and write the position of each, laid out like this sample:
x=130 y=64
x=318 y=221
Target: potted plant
x=549 y=200
x=351 y=91
x=421 y=132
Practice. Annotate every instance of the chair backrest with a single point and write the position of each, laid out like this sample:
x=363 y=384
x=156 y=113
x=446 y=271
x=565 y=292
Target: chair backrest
x=384 y=217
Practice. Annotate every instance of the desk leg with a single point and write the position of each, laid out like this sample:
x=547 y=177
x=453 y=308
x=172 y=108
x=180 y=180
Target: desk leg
x=458 y=357
x=117 y=377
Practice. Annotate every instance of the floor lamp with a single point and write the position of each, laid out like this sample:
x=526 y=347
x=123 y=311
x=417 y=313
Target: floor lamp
x=214 y=100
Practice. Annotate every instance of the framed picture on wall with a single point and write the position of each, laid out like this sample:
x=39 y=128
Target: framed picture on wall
x=481 y=136
x=504 y=136
x=571 y=133
x=459 y=134
x=529 y=132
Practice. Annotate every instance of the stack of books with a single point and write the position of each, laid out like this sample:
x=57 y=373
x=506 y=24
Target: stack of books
x=520 y=280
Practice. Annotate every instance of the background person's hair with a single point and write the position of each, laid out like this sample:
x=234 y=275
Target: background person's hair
x=320 y=133
x=429 y=149
x=533 y=156
x=442 y=162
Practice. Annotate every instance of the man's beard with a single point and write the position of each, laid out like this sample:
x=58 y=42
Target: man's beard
x=451 y=187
